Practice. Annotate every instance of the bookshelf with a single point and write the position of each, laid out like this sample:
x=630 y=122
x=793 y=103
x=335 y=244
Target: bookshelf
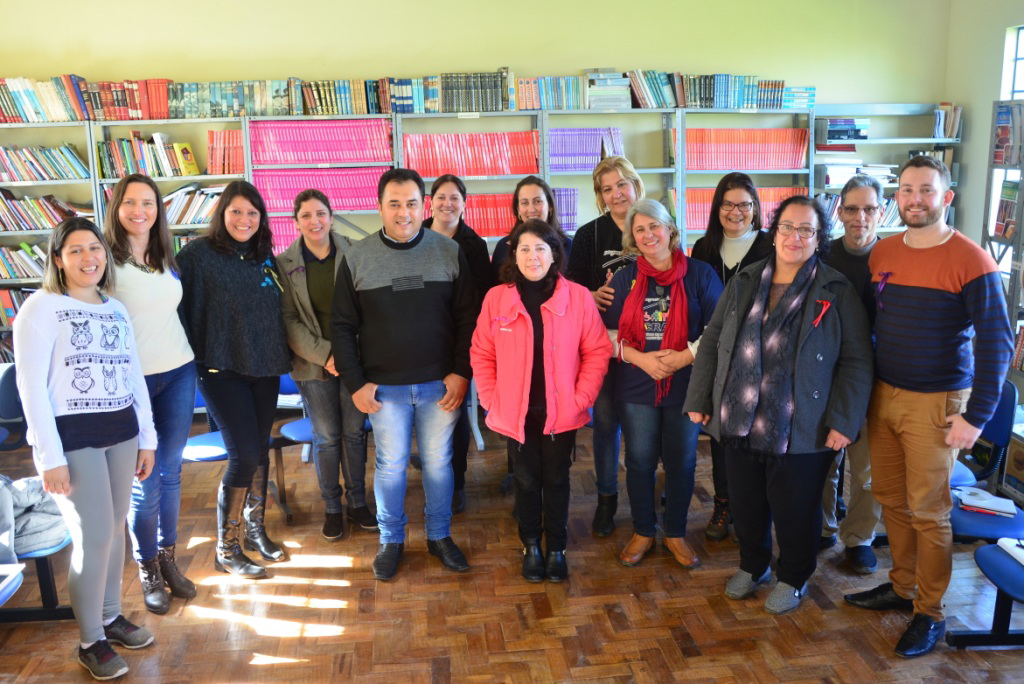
x=894 y=131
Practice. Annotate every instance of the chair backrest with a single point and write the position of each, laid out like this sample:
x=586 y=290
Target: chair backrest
x=288 y=385
x=10 y=400
x=999 y=428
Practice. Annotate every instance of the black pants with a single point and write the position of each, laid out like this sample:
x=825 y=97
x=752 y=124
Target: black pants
x=542 y=481
x=460 y=446
x=786 y=488
x=719 y=475
x=243 y=407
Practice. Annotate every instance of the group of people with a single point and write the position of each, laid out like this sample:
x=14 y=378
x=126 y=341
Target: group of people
x=773 y=341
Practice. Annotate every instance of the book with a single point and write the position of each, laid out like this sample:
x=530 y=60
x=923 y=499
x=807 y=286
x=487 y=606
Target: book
x=974 y=499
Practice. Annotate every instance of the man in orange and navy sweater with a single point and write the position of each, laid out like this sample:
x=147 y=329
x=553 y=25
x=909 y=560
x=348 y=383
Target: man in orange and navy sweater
x=934 y=390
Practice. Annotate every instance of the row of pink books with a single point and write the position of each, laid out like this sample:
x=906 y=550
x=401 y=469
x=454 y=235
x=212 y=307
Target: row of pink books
x=225 y=152
x=746 y=148
x=283 y=232
x=321 y=141
x=698 y=204
x=348 y=189
x=472 y=154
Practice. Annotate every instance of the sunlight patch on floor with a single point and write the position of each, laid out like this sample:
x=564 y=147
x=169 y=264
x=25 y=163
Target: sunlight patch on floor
x=268 y=627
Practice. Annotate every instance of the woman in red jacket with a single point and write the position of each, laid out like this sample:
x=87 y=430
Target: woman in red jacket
x=537 y=336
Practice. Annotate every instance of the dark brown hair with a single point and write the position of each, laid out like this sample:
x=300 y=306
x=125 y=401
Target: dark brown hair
x=260 y=246
x=731 y=181
x=510 y=272
x=159 y=253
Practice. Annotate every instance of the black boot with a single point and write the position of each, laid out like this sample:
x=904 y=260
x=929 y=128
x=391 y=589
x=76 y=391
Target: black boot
x=533 y=561
x=256 y=538
x=718 y=524
x=604 y=516
x=556 y=569
x=153 y=594
x=229 y=557
x=180 y=586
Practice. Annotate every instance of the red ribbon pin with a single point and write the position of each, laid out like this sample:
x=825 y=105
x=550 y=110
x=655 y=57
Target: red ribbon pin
x=825 y=305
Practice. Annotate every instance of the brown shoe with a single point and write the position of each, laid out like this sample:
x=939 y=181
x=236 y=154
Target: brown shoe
x=681 y=551
x=635 y=550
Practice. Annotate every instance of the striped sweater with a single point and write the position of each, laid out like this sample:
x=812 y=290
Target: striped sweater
x=932 y=304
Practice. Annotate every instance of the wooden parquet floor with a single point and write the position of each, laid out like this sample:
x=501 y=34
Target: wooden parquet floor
x=322 y=617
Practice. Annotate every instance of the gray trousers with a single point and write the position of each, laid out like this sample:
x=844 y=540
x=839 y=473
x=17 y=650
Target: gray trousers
x=96 y=511
x=862 y=511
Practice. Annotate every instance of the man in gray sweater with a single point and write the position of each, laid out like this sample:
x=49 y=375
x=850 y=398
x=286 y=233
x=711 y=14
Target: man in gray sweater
x=404 y=312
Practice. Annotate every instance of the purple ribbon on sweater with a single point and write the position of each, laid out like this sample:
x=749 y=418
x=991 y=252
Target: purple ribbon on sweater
x=884 y=275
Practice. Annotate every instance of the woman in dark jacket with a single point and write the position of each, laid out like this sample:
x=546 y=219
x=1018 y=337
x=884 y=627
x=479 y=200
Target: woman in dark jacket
x=733 y=241
x=782 y=378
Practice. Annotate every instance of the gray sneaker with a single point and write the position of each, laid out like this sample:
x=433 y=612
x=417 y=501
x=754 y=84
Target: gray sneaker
x=120 y=631
x=784 y=598
x=742 y=584
x=101 y=661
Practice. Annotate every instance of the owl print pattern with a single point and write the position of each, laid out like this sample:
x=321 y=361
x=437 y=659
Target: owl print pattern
x=99 y=340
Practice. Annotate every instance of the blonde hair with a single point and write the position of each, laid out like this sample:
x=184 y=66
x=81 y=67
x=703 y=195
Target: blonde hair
x=625 y=169
x=651 y=209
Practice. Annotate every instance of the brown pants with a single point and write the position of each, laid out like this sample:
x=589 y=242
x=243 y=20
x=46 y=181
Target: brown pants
x=911 y=466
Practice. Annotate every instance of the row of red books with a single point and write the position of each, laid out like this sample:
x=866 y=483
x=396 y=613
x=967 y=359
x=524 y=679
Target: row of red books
x=698 y=204
x=472 y=154
x=225 y=152
x=746 y=148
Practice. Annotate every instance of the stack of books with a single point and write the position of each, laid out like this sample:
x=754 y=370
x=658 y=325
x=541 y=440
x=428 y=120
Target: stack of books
x=24 y=100
x=947 y=120
x=1006 y=212
x=980 y=501
x=580 y=149
x=551 y=92
x=191 y=204
x=798 y=97
x=608 y=89
x=742 y=149
x=1009 y=135
x=320 y=142
x=11 y=302
x=33 y=213
x=225 y=153
x=157 y=158
x=41 y=164
x=23 y=261
x=835 y=129
x=472 y=154
x=348 y=189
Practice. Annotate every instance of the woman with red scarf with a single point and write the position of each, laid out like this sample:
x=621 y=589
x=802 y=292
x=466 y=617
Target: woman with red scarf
x=662 y=303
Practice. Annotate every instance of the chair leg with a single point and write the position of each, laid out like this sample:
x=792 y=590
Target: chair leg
x=999 y=635
x=47 y=583
x=51 y=608
x=278 y=486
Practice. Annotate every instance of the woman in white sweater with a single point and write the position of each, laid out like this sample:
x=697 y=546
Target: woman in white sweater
x=149 y=287
x=90 y=427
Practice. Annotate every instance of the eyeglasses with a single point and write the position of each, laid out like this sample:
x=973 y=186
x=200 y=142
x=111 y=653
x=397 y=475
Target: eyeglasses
x=853 y=211
x=805 y=231
x=744 y=207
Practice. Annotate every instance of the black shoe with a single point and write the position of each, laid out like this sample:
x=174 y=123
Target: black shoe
x=385 y=565
x=533 y=561
x=363 y=517
x=334 y=526
x=604 y=516
x=862 y=559
x=555 y=567
x=921 y=636
x=458 y=501
x=827 y=542
x=180 y=586
x=154 y=596
x=718 y=524
x=449 y=553
x=882 y=597
x=229 y=556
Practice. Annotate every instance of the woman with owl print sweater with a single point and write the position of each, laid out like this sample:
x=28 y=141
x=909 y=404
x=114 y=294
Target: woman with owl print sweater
x=231 y=310
x=90 y=427
x=148 y=286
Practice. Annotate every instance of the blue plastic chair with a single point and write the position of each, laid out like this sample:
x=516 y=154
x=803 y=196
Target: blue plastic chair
x=997 y=432
x=51 y=608
x=969 y=526
x=208 y=446
x=10 y=407
x=1004 y=571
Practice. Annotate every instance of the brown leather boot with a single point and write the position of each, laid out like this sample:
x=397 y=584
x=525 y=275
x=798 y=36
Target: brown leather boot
x=635 y=550
x=682 y=552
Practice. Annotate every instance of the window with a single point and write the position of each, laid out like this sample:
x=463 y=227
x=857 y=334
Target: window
x=1017 y=67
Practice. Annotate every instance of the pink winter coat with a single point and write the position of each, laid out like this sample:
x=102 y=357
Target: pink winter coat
x=576 y=348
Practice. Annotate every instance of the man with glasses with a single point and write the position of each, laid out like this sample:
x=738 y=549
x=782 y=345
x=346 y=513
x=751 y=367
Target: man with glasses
x=943 y=344
x=860 y=208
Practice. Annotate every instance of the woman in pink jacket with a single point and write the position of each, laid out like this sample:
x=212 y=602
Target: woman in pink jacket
x=539 y=355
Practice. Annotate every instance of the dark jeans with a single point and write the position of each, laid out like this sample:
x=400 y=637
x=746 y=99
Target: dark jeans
x=786 y=488
x=542 y=481
x=156 y=501
x=659 y=434
x=243 y=406
x=460 y=446
x=606 y=436
x=339 y=442
x=719 y=472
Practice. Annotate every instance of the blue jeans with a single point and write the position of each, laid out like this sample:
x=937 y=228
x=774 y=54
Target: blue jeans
x=653 y=434
x=339 y=441
x=606 y=436
x=405 y=406
x=156 y=500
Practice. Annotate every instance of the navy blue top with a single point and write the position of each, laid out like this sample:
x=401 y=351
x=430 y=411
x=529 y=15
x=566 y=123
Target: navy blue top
x=703 y=288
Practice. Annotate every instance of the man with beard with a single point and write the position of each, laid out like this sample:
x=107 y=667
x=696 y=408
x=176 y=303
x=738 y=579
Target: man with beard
x=934 y=391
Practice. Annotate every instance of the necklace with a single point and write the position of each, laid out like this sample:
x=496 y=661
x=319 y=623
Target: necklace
x=142 y=267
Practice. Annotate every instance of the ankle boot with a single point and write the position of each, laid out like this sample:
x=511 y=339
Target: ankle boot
x=153 y=594
x=604 y=516
x=256 y=538
x=718 y=524
x=533 y=561
x=180 y=586
x=229 y=557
